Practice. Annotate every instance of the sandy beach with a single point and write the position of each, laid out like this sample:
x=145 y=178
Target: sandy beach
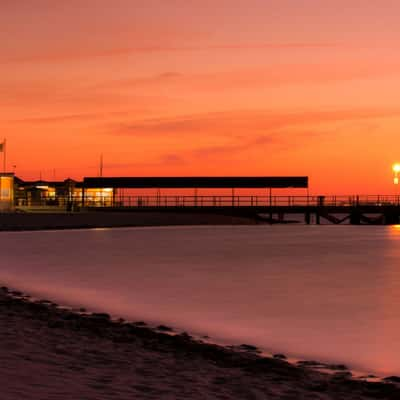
x=48 y=352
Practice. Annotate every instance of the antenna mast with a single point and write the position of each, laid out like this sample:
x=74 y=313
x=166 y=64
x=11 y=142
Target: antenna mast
x=101 y=165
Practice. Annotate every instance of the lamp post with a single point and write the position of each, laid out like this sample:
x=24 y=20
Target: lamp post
x=396 y=171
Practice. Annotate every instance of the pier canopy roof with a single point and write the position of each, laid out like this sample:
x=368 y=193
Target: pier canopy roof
x=66 y=184
x=198 y=182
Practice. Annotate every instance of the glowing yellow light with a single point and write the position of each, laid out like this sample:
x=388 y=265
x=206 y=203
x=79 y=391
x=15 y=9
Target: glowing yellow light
x=395 y=230
x=396 y=168
x=396 y=180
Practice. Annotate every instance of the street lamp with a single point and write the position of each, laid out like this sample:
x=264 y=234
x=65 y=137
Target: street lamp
x=396 y=170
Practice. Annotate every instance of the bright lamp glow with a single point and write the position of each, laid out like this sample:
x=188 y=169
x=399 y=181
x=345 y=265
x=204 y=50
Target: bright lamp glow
x=396 y=168
x=396 y=180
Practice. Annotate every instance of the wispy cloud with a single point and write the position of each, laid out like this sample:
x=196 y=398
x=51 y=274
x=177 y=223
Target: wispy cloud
x=277 y=141
x=274 y=142
x=69 y=117
x=142 y=81
x=243 y=122
x=59 y=56
x=169 y=159
x=268 y=76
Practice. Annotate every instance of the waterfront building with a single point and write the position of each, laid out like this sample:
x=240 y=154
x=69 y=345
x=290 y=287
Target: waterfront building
x=6 y=191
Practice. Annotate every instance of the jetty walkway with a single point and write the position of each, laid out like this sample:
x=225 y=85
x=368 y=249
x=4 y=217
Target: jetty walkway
x=96 y=201
x=356 y=210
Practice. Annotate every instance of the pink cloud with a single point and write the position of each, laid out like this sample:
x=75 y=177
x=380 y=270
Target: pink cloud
x=53 y=55
x=268 y=76
x=249 y=122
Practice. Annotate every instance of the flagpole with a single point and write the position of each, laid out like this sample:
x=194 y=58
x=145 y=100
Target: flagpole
x=101 y=165
x=4 y=155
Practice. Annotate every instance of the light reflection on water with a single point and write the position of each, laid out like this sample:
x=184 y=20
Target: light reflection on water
x=326 y=292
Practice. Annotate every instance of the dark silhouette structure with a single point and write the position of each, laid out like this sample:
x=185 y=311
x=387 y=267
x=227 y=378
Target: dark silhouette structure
x=214 y=182
x=124 y=194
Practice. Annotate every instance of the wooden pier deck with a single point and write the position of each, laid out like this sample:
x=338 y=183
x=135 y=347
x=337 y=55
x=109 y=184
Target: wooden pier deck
x=355 y=210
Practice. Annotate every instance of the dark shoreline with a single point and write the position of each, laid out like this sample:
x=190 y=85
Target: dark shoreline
x=275 y=377
x=114 y=219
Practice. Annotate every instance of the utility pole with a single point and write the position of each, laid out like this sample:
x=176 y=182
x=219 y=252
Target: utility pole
x=101 y=165
x=4 y=155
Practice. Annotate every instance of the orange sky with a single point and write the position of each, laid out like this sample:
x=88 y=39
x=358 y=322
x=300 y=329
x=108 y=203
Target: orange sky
x=190 y=87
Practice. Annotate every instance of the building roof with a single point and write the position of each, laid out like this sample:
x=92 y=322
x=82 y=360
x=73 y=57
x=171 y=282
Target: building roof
x=197 y=182
x=42 y=183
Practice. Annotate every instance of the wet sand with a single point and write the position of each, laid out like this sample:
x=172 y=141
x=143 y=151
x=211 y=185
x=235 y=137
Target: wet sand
x=49 y=352
x=110 y=219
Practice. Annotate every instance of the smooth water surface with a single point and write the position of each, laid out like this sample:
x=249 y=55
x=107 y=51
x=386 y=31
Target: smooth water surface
x=330 y=293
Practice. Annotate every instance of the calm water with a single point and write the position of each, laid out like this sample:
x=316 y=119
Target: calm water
x=324 y=292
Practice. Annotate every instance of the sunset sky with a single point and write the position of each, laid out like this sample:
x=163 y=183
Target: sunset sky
x=203 y=87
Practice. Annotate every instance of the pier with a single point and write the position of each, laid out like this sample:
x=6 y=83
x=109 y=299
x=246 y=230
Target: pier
x=169 y=196
x=355 y=210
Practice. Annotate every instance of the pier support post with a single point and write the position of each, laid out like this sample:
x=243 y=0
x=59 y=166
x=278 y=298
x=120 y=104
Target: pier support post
x=83 y=197
x=355 y=216
x=391 y=217
x=320 y=206
x=307 y=217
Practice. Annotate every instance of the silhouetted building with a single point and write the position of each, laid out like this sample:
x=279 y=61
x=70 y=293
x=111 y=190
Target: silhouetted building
x=6 y=191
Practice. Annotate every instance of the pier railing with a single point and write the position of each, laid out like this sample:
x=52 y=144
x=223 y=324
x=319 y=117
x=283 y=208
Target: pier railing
x=128 y=201
x=245 y=201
